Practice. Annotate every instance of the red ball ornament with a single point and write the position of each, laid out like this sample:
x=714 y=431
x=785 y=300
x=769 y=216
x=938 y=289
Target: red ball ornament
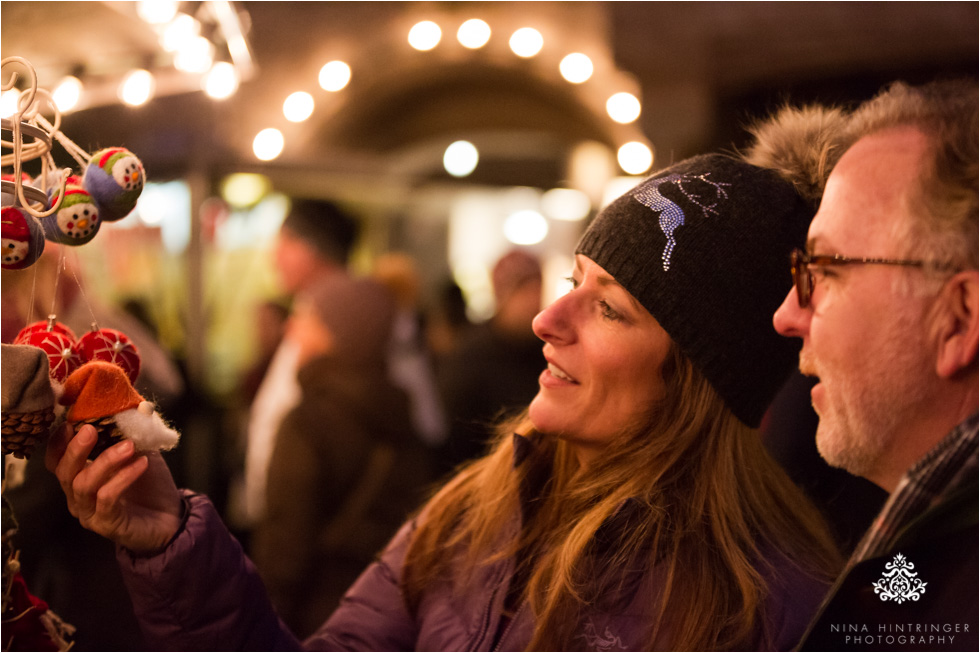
x=44 y=325
x=62 y=354
x=111 y=346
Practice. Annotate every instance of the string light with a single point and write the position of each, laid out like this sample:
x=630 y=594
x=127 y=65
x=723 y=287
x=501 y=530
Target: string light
x=526 y=42
x=195 y=56
x=576 y=68
x=221 y=81
x=67 y=94
x=635 y=158
x=157 y=12
x=268 y=144
x=424 y=35
x=179 y=32
x=525 y=227
x=460 y=158
x=473 y=34
x=137 y=87
x=623 y=107
x=334 y=76
x=298 y=106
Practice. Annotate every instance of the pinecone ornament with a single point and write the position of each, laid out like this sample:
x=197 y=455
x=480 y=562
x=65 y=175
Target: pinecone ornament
x=28 y=399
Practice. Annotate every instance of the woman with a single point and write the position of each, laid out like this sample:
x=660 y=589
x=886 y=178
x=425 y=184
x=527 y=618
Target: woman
x=633 y=507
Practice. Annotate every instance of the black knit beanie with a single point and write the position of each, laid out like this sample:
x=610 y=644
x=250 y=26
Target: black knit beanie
x=704 y=246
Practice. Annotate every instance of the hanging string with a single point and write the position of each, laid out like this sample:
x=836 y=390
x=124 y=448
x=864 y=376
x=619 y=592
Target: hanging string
x=81 y=290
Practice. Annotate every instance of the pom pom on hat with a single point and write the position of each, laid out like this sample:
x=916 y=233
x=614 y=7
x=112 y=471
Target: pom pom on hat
x=100 y=390
x=114 y=177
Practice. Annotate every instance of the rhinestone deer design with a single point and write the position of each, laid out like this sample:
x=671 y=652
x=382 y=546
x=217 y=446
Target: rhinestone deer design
x=671 y=215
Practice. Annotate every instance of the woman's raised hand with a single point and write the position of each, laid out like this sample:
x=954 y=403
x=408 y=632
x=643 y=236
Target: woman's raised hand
x=127 y=497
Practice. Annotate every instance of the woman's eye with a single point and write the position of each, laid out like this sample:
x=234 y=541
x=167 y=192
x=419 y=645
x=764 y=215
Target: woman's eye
x=608 y=312
x=572 y=281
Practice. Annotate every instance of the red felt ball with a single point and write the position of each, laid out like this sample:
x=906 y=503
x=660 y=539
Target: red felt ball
x=62 y=354
x=111 y=346
x=44 y=325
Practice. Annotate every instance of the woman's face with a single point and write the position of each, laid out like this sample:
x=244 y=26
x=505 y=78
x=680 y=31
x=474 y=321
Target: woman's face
x=604 y=353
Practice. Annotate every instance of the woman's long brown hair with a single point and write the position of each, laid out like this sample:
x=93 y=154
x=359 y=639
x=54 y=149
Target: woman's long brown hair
x=710 y=499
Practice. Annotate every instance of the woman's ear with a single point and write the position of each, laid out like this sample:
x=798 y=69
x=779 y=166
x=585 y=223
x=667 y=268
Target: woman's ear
x=957 y=331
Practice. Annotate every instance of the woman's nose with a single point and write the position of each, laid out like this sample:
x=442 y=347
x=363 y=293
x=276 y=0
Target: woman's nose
x=789 y=319
x=553 y=323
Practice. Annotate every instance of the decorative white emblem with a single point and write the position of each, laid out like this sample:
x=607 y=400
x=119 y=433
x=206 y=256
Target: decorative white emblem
x=608 y=641
x=899 y=583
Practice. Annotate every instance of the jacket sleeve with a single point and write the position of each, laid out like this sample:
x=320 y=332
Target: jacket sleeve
x=373 y=615
x=202 y=592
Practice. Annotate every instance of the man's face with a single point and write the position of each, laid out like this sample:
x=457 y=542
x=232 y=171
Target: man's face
x=296 y=261
x=863 y=337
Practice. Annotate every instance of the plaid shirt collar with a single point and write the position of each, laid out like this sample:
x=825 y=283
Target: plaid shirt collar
x=922 y=487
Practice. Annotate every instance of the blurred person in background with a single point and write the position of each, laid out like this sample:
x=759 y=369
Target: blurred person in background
x=494 y=370
x=314 y=244
x=632 y=507
x=446 y=323
x=409 y=361
x=347 y=467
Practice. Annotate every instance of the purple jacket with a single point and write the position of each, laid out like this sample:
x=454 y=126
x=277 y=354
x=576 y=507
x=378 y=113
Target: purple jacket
x=203 y=593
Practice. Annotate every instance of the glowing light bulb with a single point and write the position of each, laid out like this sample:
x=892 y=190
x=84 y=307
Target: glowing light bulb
x=334 y=76
x=526 y=42
x=67 y=94
x=179 y=32
x=576 y=68
x=473 y=34
x=425 y=35
x=268 y=144
x=565 y=204
x=137 y=87
x=623 y=107
x=525 y=227
x=298 y=106
x=460 y=158
x=634 y=158
x=157 y=12
x=221 y=81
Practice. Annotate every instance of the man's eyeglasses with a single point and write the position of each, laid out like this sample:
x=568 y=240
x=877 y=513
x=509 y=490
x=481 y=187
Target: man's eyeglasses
x=800 y=263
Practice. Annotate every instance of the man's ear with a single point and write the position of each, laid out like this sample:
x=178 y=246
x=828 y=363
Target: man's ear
x=958 y=316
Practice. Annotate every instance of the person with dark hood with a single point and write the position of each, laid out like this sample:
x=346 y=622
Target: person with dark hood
x=346 y=468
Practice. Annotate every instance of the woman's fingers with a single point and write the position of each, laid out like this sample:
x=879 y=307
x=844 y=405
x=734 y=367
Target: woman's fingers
x=73 y=461
x=87 y=483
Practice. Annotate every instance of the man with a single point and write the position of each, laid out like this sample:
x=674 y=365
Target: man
x=495 y=370
x=886 y=304
x=314 y=243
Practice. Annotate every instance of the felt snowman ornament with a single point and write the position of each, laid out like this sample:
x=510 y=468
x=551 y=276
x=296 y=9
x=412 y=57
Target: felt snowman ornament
x=100 y=394
x=114 y=177
x=77 y=219
x=22 y=238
